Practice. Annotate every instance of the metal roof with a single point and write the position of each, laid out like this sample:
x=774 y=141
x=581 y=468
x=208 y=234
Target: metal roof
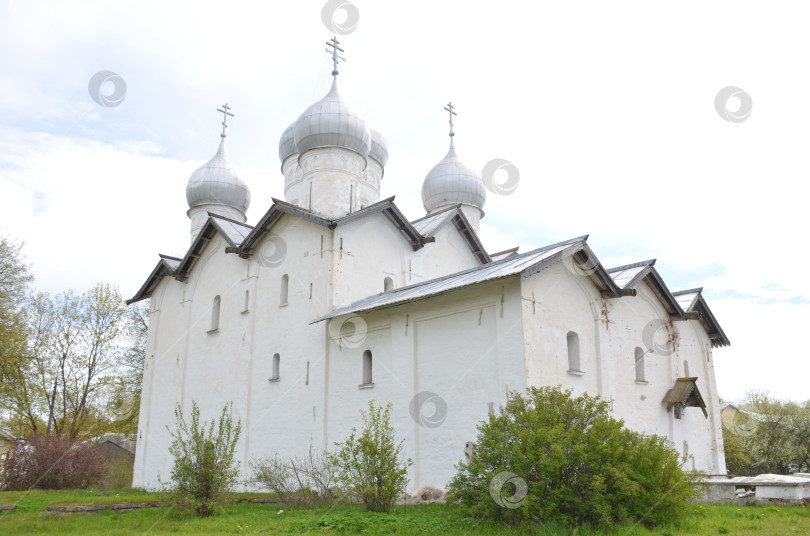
x=525 y=264
x=430 y=225
x=700 y=308
x=232 y=231
x=500 y=255
x=386 y=206
x=629 y=275
x=166 y=266
x=687 y=298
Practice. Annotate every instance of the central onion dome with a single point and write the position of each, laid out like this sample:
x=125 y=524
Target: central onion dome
x=330 y=122
x=216 y=183
x=450 y=182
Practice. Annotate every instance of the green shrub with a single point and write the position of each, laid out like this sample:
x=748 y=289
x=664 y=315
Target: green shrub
x=205 y=470
x=371 y=466
x=551 y=457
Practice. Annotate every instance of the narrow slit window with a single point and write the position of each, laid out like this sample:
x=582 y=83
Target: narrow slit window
x=247 y=301
x=573 y=352
x=215 y=313
x=276 y=367
x=285 y=289
x=685 y=368
x=640 y=377
x=388 y=284
x=367 y=364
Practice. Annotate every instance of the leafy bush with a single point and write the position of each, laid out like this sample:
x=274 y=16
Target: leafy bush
x=304 y=481
x=205 y=470
x=371 y=466
x=52 y=462
x=550 y=457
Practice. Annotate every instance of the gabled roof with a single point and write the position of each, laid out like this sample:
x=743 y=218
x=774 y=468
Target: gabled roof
x=121 y=443
x=684 y=394
x=500 y=255
x=627 y=277
x=279 y=208
x=166 y=266
x=232 y=231
x=430 y=225
x=692 y=302
x=525 y=265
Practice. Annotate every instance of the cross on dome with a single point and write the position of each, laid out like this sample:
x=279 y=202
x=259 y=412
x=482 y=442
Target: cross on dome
x=225 y=114
x=449 y=108
x=334 y=52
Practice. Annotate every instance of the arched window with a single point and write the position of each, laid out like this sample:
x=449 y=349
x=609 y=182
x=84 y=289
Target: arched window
x=247 y=301
x=640 y=365
x=215 y=313
x=388 y=284
x=573 y=351
x=276 y=367
x=367 y=367
x=285 y=288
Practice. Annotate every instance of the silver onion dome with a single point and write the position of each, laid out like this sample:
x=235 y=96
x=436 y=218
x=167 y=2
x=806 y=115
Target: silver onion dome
x=379 y=148
x=450 y=182
x=286 y=145
x=331 y=122
x=216 y=183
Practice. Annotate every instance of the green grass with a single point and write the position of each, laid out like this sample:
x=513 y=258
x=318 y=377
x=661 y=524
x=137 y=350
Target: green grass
x=274 y=519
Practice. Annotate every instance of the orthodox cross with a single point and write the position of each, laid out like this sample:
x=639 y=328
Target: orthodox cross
x=225 y=114
x=449 y=108
x=334 y=52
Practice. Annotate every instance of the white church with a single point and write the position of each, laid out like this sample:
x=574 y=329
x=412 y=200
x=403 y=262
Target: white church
x=335 y=298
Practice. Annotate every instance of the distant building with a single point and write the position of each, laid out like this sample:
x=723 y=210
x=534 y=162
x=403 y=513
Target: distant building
x=335 y=298
x=121 y=460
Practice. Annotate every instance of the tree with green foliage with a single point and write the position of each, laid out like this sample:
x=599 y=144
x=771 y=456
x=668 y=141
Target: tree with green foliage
x=15 y=281
x=735 y=452
x=371 y=466
x=779 y=432
x=551 y=457
x=205 y=468
x=75 y=346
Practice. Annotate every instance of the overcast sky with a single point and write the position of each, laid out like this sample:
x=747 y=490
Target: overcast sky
x=607 y=109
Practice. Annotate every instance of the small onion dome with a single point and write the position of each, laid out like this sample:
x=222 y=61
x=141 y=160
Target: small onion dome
x=331 y=122
x=379 y=148
x=450 y=182
x=216 y=183
x=286 y=145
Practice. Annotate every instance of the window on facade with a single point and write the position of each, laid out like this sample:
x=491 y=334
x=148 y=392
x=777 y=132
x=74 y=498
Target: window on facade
x=247 y=301
x=285 y=288
x=573 y=351
x=640 y=365
x=367 y=367
x=276 y=367
x=388 y=284
x=215 y=313
x=685 y=368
